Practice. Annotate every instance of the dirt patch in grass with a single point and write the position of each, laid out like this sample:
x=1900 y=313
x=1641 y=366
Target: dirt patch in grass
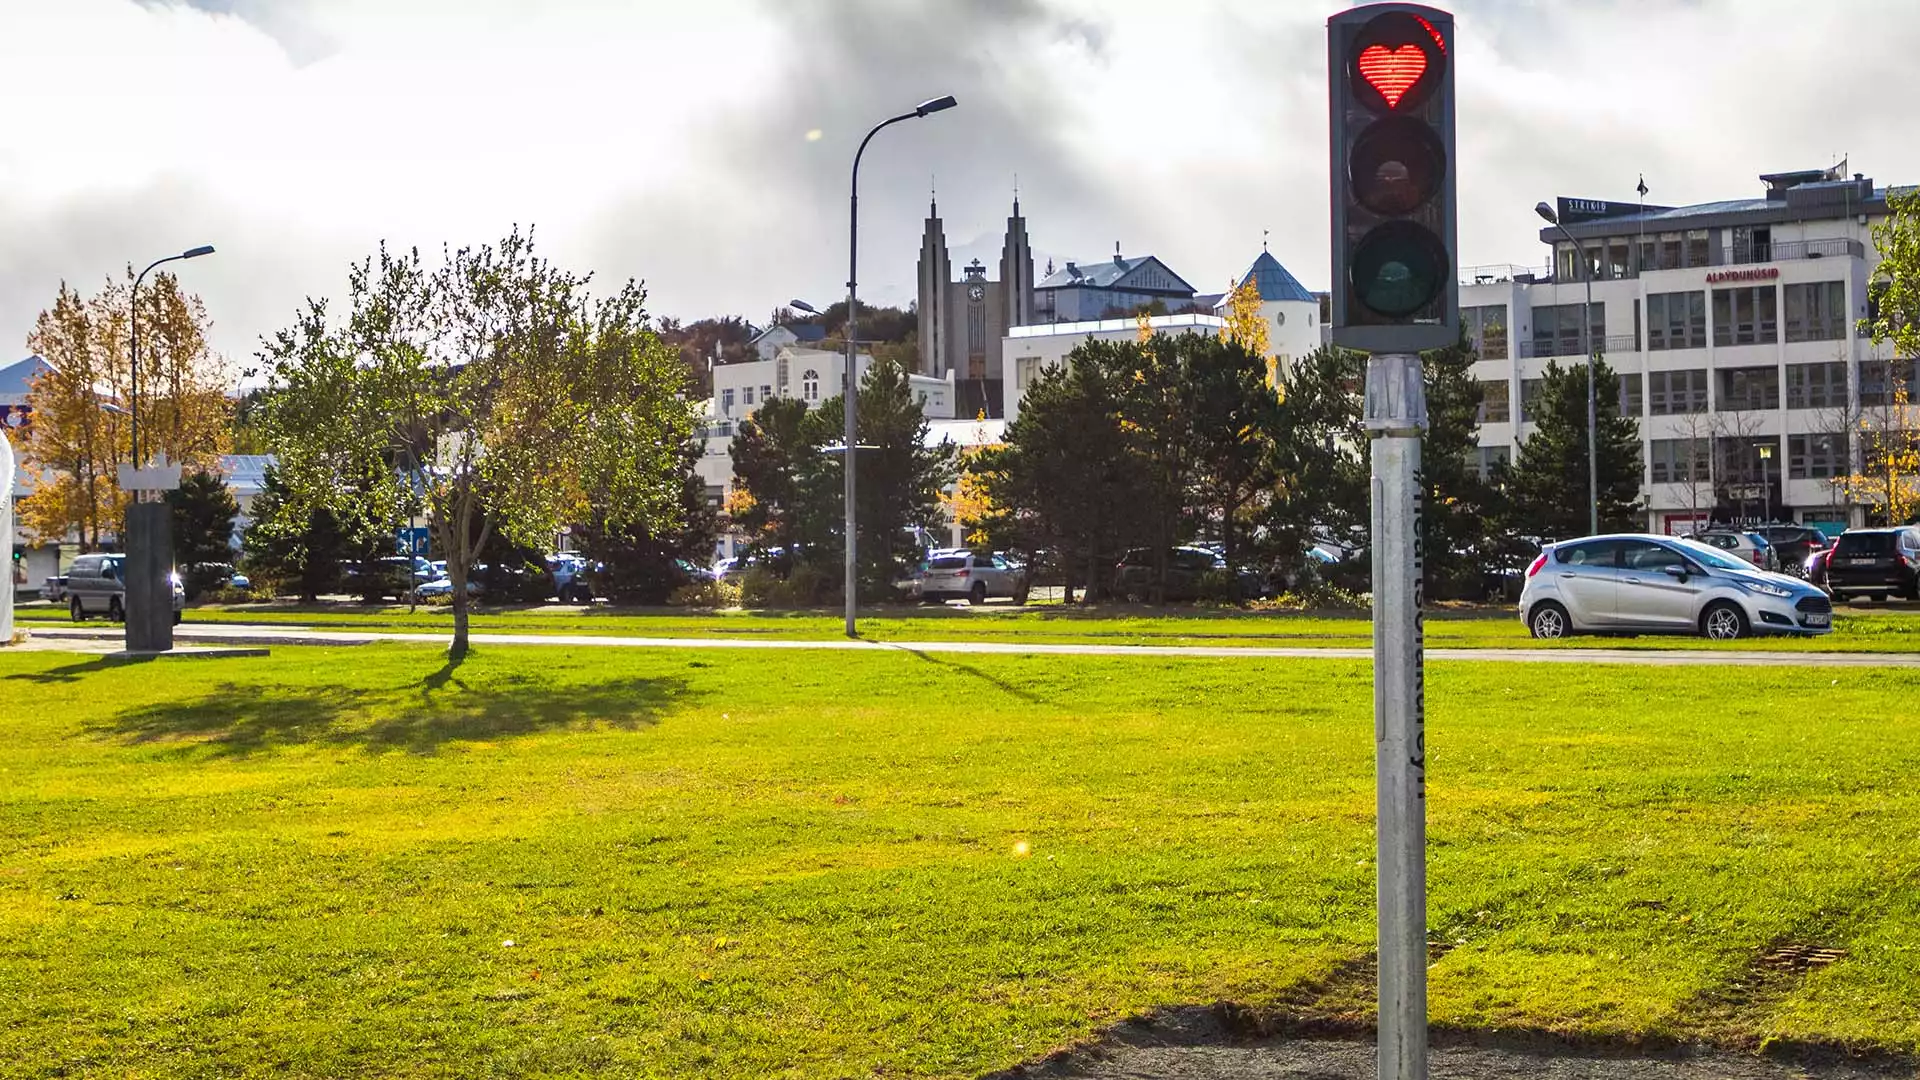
x=1223 y=1041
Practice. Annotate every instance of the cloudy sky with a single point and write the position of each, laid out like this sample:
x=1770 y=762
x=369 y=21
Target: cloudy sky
x=703 y=147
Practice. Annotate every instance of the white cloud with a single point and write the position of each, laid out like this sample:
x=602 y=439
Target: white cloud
x=670 y=141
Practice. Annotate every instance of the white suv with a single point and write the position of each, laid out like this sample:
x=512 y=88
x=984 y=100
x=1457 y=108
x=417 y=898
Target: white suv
x=963 y=575
x=1641 y=583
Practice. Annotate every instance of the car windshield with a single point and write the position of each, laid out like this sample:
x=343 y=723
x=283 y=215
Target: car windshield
x=1710 y=556
x=948 y=562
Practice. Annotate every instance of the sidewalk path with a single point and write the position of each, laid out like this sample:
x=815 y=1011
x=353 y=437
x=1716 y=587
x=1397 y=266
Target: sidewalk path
x=260 y=634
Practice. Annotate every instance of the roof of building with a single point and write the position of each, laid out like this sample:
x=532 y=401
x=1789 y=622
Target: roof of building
x=1791 y=196
x=1273 y=281
x=801 y=331
x=1188 y=321
x=966 y=433
x=1104 y=274
x=16 y=378
x=246 y=474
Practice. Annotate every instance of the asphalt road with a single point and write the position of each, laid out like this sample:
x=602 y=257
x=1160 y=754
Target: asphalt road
x=236 y=634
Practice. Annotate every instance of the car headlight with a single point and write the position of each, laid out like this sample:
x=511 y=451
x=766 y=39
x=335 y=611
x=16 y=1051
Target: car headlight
x=1767 y=588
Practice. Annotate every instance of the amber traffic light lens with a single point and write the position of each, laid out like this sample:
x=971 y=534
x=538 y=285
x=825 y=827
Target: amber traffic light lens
x=1398 y=268
x=1396 y=165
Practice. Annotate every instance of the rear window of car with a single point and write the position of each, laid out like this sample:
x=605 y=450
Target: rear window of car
x=948 y=562
x=1866 y=543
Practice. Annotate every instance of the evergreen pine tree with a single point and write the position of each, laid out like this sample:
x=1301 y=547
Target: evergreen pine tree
x=1547 y=483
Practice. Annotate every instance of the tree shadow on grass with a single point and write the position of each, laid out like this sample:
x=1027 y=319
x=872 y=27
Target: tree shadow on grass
x=74 y=672
x=237 y=719
x=994 y=681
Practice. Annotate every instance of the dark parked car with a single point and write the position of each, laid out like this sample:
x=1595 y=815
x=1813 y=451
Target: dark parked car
x=1794 y=543
x=1875 y=563
x=1192 y=572
x=396 y=576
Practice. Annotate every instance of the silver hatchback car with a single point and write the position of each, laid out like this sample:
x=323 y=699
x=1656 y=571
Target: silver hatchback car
x=1642 y=583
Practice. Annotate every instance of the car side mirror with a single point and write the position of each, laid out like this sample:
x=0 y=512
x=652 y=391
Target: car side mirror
x=1678 y=573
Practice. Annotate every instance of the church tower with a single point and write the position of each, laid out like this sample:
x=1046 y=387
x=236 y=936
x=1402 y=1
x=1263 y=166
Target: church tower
x=1016 y=273
x=936 y=272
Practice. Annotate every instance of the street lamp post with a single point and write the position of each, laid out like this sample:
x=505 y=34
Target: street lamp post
x=849 y=384
x=148 y=608
x=1586 y=338
x=1766 y=482
x=133 y=340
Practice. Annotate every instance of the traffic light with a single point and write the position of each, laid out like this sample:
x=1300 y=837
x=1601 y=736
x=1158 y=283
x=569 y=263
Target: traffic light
x=1390 y=74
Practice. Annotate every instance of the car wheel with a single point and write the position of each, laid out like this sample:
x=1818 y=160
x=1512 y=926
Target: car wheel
x=978 y=594
x=1879 y=598
x=176 y=618
x=1548 y=621
x=115 y=611
x=1723 y=622
x=73 y=608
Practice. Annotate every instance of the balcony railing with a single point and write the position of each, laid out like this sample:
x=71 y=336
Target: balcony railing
x=1610 y=344
x=1787 y=250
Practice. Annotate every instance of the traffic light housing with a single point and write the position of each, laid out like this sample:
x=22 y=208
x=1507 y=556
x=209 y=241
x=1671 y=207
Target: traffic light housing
x=1390 y=75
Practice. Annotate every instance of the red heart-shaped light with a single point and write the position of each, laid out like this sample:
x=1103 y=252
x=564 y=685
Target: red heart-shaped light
x=1392 y=71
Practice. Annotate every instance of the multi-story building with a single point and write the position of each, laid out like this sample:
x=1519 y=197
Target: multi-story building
x=962 y=322
x=1733 y=328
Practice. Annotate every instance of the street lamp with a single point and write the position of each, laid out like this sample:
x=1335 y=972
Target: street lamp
x=133 y=339
x=848 y=382
x=148 y=608
x=1586 y=338
x=1766 y=481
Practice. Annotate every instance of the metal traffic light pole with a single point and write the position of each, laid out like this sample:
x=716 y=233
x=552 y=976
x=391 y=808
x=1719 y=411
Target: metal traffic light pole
x=1394 y=295
x=1396 y=417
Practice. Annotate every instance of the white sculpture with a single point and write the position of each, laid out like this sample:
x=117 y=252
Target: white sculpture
x=7 y=585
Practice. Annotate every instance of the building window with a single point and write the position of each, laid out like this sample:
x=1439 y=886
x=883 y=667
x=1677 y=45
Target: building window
x=1676 y=321
x=1672 y=251
x=766 y=393
x=1632 y=393
x=1619 y=259
x=1486 y=327
x=723 y=430
x=1025 y=370
x=780 y=375
x=1679 y=461
x=1879 y=379
x=746 y=395
x=1749 y=388
x=1816 y=311
x=726 y=402
x=1496 y=405
x=1817 y=386
x=1740 y=461
x=1746 y=316
x=1672 y=393
x=1489 y=458
x=1819 y=456
x=1556 y=328
x=810 y=385
x=1529 y=391
x=1697 y=247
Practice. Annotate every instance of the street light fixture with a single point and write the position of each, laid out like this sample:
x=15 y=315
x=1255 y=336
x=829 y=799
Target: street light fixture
x=849 y=384
x=148 y=609
x=133 y=340
x=1586 y=338
x=1766 y=481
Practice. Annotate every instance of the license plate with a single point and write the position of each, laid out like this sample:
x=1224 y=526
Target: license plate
x=1819 y=620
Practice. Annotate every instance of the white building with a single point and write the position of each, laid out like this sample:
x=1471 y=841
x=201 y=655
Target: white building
x=1291 y=312
x=812 y=376
x=1732 y=325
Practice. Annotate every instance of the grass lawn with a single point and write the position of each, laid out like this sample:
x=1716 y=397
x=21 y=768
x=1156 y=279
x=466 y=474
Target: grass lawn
x=361 y=862
x=1855 y=630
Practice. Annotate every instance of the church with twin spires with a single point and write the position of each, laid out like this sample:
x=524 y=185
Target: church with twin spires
x=963 y=321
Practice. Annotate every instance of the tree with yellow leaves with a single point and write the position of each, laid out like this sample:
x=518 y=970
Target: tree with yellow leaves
x=81 y=431
x=1889 y=480
x=1890 y=432
x=1246 y=327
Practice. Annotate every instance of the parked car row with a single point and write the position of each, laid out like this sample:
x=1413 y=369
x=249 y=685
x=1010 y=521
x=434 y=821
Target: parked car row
x=97 y=585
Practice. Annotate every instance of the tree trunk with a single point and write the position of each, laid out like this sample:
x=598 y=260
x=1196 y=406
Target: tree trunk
x=457 y=575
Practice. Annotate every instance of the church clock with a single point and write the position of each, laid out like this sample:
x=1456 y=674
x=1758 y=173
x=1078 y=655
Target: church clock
x=976 y=293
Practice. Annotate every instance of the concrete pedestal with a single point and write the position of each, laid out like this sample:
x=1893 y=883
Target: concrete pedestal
x=149 y=547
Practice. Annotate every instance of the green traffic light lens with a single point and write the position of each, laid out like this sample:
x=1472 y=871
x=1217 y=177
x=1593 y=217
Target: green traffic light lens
x=1398 y=269
x=1396 y=165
